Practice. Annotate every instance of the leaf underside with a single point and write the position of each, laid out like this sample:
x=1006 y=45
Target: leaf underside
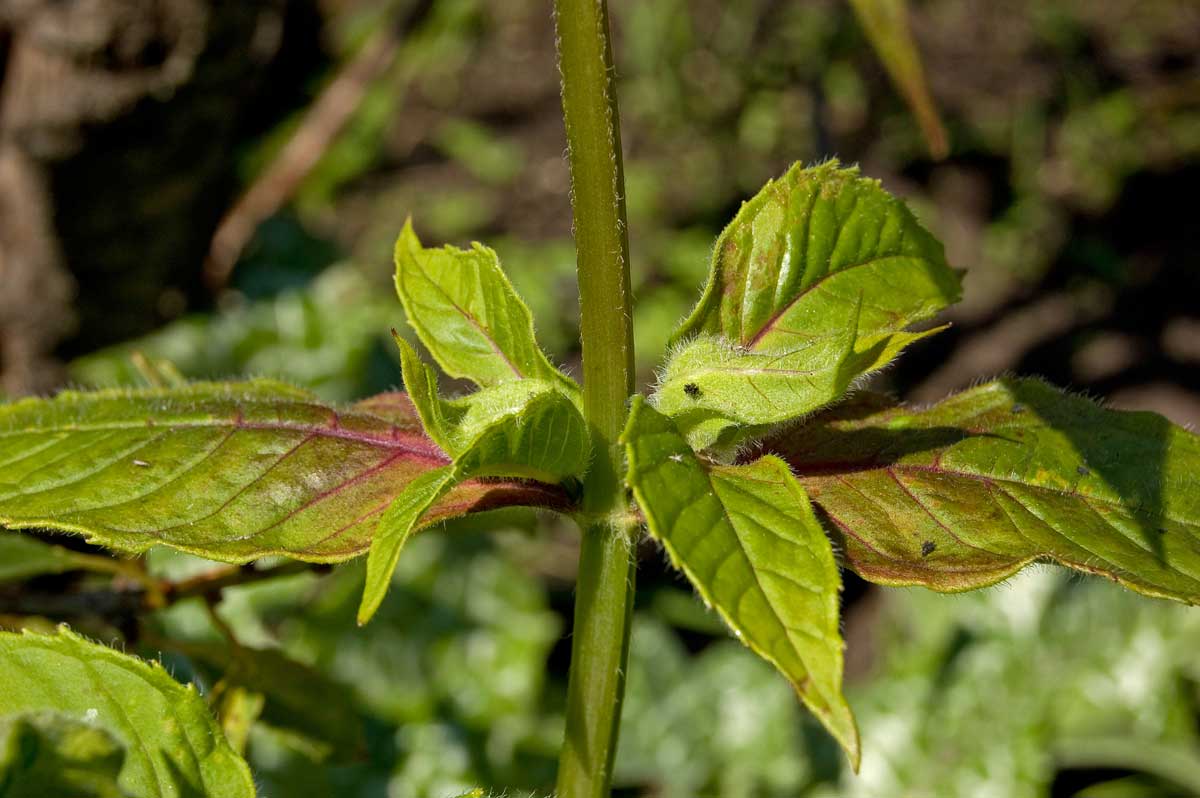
x=970 y=491
x=173 y=747
x=231 y=472
x=747 y=539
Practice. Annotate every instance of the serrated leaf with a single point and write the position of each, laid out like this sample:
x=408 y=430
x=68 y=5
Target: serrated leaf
x=747 y=539
x=173 y=746
x=231 y=472
x=970 y=491
x=543 y=437
x=812 y=285
x=468 y=315
x=45 y=754
x=801 y=253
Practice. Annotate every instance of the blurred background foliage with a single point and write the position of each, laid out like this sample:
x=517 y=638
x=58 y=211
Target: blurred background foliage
x=1074 y=131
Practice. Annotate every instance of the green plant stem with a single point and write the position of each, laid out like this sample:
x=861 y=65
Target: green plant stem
x=604 y=594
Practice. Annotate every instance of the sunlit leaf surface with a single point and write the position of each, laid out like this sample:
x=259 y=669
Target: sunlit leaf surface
x=812 y=285
x=747 y=539
x=971 y=490
x=232 y=472
x=467 y=314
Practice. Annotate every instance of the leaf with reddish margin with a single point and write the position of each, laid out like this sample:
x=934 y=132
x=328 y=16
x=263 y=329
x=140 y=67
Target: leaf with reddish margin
x=232 y=472
x=970 y=491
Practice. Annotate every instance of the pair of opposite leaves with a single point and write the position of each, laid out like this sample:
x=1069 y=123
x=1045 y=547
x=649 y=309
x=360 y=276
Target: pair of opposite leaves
x=814 y=284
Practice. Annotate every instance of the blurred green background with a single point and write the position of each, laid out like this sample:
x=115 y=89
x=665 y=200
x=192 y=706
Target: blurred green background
x=1067 y=195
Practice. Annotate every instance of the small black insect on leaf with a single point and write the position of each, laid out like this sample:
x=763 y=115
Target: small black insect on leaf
x=927 y=548
x=1082 y=471
x=692 y=390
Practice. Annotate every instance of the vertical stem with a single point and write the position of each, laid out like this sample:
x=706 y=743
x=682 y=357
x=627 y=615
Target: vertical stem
x=604 y=594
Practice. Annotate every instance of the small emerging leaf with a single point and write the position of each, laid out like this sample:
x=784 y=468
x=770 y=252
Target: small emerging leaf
x=467 y=314
x=394 y=530
x=173 y=746
x=970 y=491
x=231 y=472
x=542 y=436
x=709 y=386
x=813 y=284
x=747 y=539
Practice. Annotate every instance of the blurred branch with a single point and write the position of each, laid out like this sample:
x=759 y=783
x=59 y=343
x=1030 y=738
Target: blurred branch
x=1170 y=761
x=886 y=24
x=320 y=126
x=133 y=591
x=214 y=581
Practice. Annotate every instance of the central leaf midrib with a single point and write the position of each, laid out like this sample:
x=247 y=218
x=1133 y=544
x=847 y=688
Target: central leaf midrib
x=787 y=633
x=470 y=317
x=976 y=477
x=769 y=324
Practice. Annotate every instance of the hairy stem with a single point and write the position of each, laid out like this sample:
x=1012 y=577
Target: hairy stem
x=604 y=594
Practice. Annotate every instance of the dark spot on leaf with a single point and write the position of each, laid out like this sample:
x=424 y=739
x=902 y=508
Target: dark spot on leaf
x=927 y=548
x=692 y=390
x=1082 y=471
x=1018 y=408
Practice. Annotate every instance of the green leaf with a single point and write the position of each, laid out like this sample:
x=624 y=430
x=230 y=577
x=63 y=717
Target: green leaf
x=173 y=747
x=44 y=754
x=801 y=253
x=747 y=539
x=543 y=437
x=420 y=382
x=709 y=386
x=970 y=491
x=467 y=314
x=394 y=530
x=231 y=472
x=812 y=286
